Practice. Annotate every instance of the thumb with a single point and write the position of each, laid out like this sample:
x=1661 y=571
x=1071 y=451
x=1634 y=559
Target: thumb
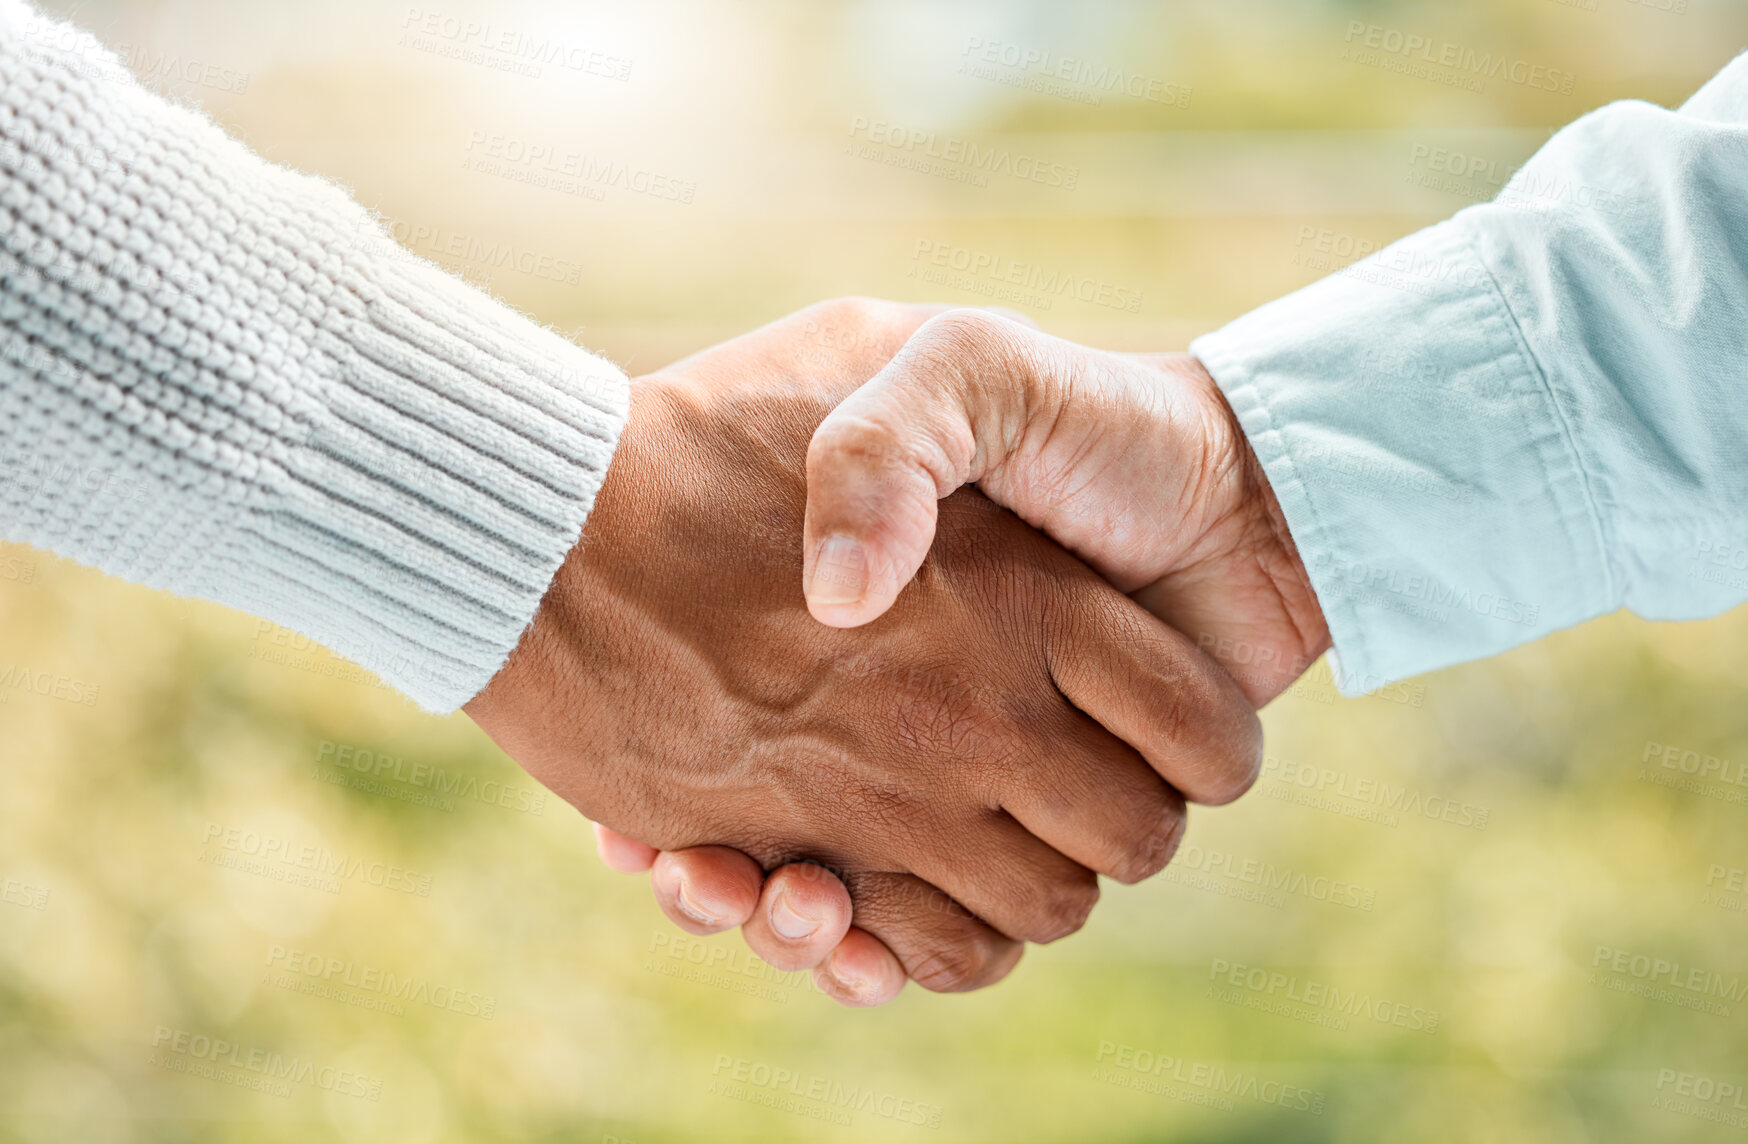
x=942 y=411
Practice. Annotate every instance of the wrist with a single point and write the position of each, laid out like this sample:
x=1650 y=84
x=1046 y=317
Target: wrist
x=1284 y=564
x=543 y=678
x=1247 y=597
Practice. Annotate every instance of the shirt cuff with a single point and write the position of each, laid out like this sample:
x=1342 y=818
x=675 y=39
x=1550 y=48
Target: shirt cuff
x=1425 y=470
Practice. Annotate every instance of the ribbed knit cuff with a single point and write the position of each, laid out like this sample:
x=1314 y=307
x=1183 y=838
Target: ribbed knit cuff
x=288 y=413
x=437 y=476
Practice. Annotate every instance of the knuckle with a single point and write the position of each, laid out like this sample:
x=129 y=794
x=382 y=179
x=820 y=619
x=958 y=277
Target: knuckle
x=841 y=325
x=1155 y=849
x=1065 y=908
x=850 y=311
x=962 y=335
x=1237 y=751
x=842 y=438
x=1201 y=732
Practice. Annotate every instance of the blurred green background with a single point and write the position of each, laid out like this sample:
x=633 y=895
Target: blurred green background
x=1547 y=943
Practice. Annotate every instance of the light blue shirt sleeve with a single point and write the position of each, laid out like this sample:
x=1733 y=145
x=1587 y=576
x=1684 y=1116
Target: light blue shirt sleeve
x=1531 y=414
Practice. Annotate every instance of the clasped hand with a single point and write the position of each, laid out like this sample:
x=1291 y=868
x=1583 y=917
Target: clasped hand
x=793 y=639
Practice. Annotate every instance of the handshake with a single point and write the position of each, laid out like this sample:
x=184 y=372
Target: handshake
x=792 y=640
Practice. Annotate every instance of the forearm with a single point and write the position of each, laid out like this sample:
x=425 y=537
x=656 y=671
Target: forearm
x=221 y=378
x=1529 y=415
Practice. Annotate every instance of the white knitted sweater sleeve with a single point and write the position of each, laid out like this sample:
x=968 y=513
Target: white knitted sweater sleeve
x=221 y=378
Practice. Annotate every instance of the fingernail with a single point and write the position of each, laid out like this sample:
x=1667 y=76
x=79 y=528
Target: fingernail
x=840 y=572
x=690 y=907
x=853 y=983
x=786 y=920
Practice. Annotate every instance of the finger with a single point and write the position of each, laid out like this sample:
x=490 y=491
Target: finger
x=706 y=889
x=802 y=913
x=1014 y=883
x=1099 y=803
x=868 y=330
x=942 y=410
x=626 y=855
x=837 y=343
x=860 y=971
x=1010 y=315
x=936 y=941
x=1150 y=687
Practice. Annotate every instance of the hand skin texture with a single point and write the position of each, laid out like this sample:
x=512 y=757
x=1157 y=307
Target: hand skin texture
x=1133 y=462
x=950 y=760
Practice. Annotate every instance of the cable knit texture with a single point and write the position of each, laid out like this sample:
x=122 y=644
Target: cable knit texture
x=222 y=378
